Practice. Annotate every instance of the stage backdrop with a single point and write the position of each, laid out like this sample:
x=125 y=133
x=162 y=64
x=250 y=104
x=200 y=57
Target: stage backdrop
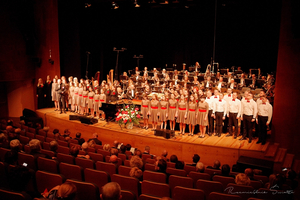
x=247 y=35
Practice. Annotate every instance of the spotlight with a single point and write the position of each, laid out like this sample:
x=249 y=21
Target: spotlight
x=87 y=5
x=136 y=4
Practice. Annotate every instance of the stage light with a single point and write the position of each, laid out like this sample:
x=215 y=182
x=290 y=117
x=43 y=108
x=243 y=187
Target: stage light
x=87 y=5
x=136 y=4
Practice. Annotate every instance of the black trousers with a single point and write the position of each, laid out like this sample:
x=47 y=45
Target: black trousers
x=225 y=127
x=210 y=122
x=248 y=125
x=219 y=122
x=233 y=121
x=62 y=103
x=262 y=128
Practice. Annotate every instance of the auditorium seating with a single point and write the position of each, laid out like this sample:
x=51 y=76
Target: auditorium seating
x=85 y=190
x=178 y=172
x=223 y=179
x=63 y=149
x=209 y=186
x=149 y=167
x=264 y=179
x=183 y=193
x=99 y=178
x=128 y=195
x=155 y=189
x=189 y=168
x=155 y=176
x=127 y=183
x=180 y=181
x=5 y=194
x=65 y=158
x=47 y=152
x=24 y=140
x=46 y=180
x=196 y=176
x=28 y=159
x=85 y=163
x=212 y=171
x=171 y=164
x=2 y=153
x=96 y=156
x=107 y=167
x=148 y=197
x=124 y=170
x=47 y=165
x=243 y=191
x=71 y=171
x=3 y=175
x=221 y=196
x=150 y=161
x=256 y=184
x=73 y=141
x=40 y=138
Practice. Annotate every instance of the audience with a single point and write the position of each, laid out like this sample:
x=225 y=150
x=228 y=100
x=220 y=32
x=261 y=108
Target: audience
x=173 y=159
x=84 y=147
x=79 y=138
x=138 y=153
x=290 y=177
x=11 y=157
x=114 y=151
x=91 y=144
x=242 y=179
x=95 y=138
x=196 y=159
x=74 y=150
x=111 y=191
x=147 y=150
x=3 y=141
x=164 y=155
x=200 y=167
x=136 y=173
x=35 y=149
x=116 y=144
x=161 y=166
x=53 y=146
x=249 y=173
x=136 y=161
x=106 y=147
x=179 y=165
x=123 y=149
x=216 y=165
x=65 y=191
x=270 y=184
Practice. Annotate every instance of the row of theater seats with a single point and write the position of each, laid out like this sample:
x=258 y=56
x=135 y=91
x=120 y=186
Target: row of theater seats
x=153 y=186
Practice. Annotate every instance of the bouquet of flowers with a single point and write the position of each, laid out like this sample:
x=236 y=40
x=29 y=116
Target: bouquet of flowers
x=128 y=114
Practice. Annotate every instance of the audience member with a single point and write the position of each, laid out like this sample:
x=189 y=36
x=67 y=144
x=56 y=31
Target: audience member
x=84 y=147
x=270 y=184
x=66 y=133
x=179 y=165
x=11 y=157
x=216 y=165
x=79 y=138
x=164 y=155
x=95 y=138
x=242 y=179
x=128 y=147
x=290 y=177
x=92 y=144
x=53 y=146
x=114 y=151
x=161 y=166
x=173 y=159
x=196 y=159
x=147 y=150
x=106 y=147
x=116 y=144
x=111 y=191
x=136 y=161
x=3 y=141
x=249 y=173
x=74 y=150
x=200 y=167
x=136 y=173
x=138 y=153
x=35 y=149
x=65 y=191
x=122 y=149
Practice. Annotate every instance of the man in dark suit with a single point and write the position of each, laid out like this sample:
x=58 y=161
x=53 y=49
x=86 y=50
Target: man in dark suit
x=208 y=83
x=60 y=88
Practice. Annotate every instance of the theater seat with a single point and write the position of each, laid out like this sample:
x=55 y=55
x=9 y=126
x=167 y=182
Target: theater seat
x=209 y=186
x=47 y=152
x=103 y=152
x=149 y=167
x=96 y=156
x=127 y=195
x=224 y=180
x=65 y=158
x=182 y=193
x=71 y=171
x=189 y=168
x=3 y=175
x=99 y=178
x=24 y=140
x=62 y=149
x=127 y=163
x=124 y=170
x=264 y=179
x=2 y=153
x=28 y=159
x=148 y=197
x=150 y=161
x=243 y=191
x=47 y=180
x=155 y=189
x=85 y=163
x=221 y=196
x=40 y=138
x=180 y=181
x=47 y=165
x=155 y=176
x=197 y=175
x=41 y=132
x=171 y=164
x=85 y=190
x=107 y=167
x=122 y=156
x=127 y=183
x=212 y=171
x=5 y=194
x=177 y=172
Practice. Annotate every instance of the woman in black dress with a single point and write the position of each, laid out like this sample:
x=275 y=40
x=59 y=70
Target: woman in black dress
x=40 y=94
x=48 y=89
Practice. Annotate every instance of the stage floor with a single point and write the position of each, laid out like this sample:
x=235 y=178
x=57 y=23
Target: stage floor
x=210 y=148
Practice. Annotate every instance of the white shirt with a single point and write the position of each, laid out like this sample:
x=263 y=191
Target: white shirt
x=220 y=106
x=219 y=86
x=210 y=102
x=228 y=97
x=234 y=106
x=265 y=110
x=249 y=107
x=259 y=101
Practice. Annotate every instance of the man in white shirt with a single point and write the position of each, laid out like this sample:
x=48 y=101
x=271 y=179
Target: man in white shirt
x=227 y=98
x=234 y=112
x=263 y=119
x=219 y=112
x=248 y=115
x=209 y=99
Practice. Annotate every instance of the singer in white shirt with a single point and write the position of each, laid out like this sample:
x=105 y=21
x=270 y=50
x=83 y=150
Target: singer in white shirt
x=219 y=111
x=210 y=100
x=234 y=113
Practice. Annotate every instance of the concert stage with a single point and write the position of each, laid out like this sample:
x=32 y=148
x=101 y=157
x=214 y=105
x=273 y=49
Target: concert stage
x=225 y=149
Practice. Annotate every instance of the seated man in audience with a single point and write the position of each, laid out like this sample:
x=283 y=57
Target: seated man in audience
x=173 y=159
x=249 y=172
x=74 y=150
x=114 y=151
x=225 y=171
x=111 y=191
x=84 y=147
x=79 y=138
x=95 y=138
x=161 y=166
x=11 y=157
x=53 y=146
x=4 y=141
x=114 y=160
x=164 y=155
x=179 y=165
x=56 y=134
x=216 y=165
x=116 y=144
x=138 y=153
x=242 y=179
x=196 y=159
x=147 y=150
x=35 y=149
x=200 y=167
x=65 y=191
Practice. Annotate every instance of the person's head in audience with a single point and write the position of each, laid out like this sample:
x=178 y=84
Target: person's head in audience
x=15 y=145
x=56 y=133
x=179 y=165
x=35 y=146
x=111 y=191
x=9 y=129
x=92 y=144
x=74 y=150
x=95 y=135
x=106 y=147
x=161 y=166
x=53 y=145
x=242 y=179
x=138 y=153
x=84 y=146
x=78 y=135
x=136 y=161
x=128 y=147
x=66 y=191
x=291 y=174
x=113 y=159
x=225 y=170
x=3 y=138
x=249 y=173
x=164 y=153
x=66 y=133
x=114 y=151
x=200 y=167
x=196 y=158
x=271 y=182
x=122 y=149
x=116 y=144
x=136 y=173
x=173 y=159
x=217 y=164
x=147 y=150
x=279 y=181
x=18 y=131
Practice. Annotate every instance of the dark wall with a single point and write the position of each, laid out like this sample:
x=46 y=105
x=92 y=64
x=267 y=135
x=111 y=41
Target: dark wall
x=247 y=35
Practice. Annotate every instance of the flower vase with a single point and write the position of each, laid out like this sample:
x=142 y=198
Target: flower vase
x=129 y=125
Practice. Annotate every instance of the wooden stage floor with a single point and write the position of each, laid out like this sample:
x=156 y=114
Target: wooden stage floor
x=225 y=149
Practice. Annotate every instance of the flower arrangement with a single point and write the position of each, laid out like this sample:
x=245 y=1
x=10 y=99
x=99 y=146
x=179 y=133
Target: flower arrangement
x=128 y=114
